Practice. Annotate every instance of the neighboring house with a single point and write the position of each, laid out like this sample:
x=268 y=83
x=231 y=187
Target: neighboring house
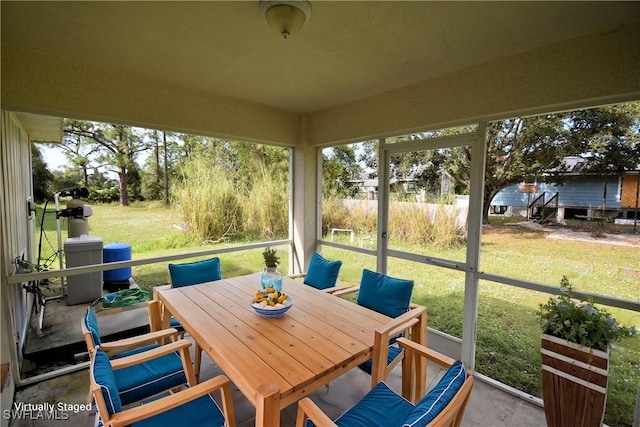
x=578 y=194
x=366 y=185
x=407 y=185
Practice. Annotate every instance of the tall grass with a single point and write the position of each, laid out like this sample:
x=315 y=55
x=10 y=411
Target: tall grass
x=412 y=223
x=206 y=200
x=446 y=233
x=211 y=207
x=266 y=207
x=334 y=214
x=362 y=220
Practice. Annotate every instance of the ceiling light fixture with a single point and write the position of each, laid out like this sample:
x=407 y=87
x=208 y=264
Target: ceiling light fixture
x=286 y=17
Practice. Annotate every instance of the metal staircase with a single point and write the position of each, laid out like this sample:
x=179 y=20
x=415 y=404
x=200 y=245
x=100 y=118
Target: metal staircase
x=544 y=211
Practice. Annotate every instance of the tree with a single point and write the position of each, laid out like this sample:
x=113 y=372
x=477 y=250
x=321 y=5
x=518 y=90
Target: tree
x=42 y=177
x=79 y=154
x=339 y=167
x=112 y=146
x=153 y=172
x=525 y=149
x=522 y=149
x=609 y=140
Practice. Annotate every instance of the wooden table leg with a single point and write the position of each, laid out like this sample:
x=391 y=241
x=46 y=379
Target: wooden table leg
x=268 y=406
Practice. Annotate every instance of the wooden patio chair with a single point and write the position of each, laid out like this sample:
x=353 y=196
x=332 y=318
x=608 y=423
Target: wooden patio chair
x=321 y=274
x=187 y=274
x=443 y=405
x=193 y=406
x=137 y=380
x=392 y=297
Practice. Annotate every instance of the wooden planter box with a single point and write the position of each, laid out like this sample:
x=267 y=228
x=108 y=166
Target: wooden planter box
x=574 y=383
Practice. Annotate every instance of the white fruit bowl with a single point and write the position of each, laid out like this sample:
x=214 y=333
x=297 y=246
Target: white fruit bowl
x=268 y=311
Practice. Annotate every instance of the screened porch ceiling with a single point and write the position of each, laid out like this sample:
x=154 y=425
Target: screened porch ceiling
x=356 y=70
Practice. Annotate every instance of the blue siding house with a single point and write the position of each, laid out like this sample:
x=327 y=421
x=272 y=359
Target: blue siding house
x=578 y=195
x=577 y=192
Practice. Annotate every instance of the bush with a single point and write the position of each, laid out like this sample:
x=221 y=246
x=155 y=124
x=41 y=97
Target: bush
x=104 y=195
x=419 y=225
x=446 y=233
x=334 y=214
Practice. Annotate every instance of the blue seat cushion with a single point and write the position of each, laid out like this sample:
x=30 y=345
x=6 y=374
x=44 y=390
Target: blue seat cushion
x=199 y=412
x=104 y=377
x=391 y=356
x=91 y=323
x=140 y=381
x=384 y=294
x=322 y=273
x=380 y=407
x=438 y=398
x=195 y=272
x=175 y=324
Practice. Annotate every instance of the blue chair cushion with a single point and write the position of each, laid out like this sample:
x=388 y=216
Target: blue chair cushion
x=380 y=407
x=91 y=323
x=322 y=273
x=195 y=272
x=384 y=294
x=199 y=412
x=391 y=356
x=104 y=377
x=438 y=398
x=175 y=324
x=140 y=381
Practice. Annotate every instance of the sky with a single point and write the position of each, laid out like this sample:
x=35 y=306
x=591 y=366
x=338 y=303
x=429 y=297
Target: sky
x=53 y=157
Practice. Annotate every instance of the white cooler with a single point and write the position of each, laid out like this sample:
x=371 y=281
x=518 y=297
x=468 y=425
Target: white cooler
x=80 y=251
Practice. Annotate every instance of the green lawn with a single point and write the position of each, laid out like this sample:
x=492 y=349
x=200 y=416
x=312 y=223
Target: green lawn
x=508 y=332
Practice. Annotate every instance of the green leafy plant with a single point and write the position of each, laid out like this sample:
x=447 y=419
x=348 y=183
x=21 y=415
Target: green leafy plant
x=579 y=322
x=270 y=257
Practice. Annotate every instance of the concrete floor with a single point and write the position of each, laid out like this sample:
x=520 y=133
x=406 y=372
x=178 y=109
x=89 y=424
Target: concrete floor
x=60 y=339
x=488 y=406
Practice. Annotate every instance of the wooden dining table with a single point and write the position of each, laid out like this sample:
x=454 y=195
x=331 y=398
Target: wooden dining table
x=274 y=362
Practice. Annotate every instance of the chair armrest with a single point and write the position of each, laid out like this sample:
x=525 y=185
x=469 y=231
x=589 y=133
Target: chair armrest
x=136 y=341
x=402 y=322
x=347 y=290
x=137 y=413
x=432 y=355
x=411 y=321
x=330 y=290
x=309 y=410
x=134 y=359
x=335 y=289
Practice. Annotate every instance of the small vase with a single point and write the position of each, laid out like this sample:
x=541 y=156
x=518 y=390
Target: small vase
x=271 y=278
